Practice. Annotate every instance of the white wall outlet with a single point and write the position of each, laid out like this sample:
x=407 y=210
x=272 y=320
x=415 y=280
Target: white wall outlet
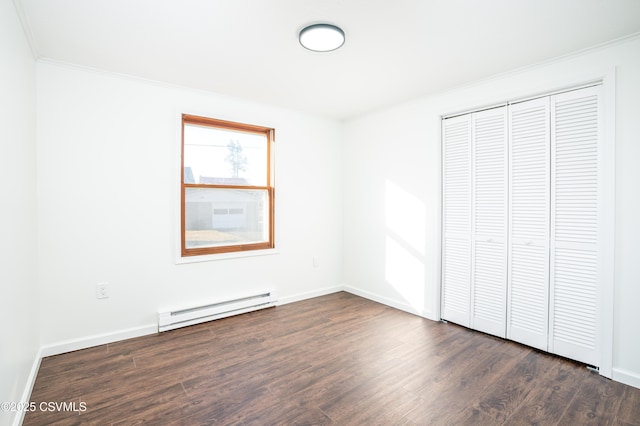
x=102 y=290
x=316 y=262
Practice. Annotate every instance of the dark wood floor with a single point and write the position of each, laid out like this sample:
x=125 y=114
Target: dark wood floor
x=336 y=359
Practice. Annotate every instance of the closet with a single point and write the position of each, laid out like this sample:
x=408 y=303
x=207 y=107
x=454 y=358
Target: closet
x=522 y=221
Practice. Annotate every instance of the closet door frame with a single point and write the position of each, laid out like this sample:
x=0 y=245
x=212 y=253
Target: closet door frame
x=607 y=243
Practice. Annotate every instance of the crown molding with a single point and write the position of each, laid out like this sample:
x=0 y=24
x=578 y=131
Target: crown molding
x=26 y=28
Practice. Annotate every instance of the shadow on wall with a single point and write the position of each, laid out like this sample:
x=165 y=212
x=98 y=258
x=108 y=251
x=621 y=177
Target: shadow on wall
x=405 y=243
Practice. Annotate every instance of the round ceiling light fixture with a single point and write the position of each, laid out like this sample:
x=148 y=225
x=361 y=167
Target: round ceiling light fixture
x=321 y=37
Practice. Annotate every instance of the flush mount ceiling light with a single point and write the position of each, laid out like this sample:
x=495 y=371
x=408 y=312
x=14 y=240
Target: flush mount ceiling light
x=321 y=37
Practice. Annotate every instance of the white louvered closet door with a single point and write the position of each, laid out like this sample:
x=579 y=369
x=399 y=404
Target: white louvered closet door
x=529 y=194
x=489 y=221
x=456 y=219
x=575 y=224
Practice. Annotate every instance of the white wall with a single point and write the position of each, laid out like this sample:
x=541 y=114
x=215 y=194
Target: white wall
x=18 y=251
x=392 y=197
x=108 y=174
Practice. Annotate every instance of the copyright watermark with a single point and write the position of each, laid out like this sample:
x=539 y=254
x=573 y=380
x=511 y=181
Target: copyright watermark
x=56 y=406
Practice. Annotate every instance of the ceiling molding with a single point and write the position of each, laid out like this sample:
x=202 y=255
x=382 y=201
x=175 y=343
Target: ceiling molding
x=26 y=28
x=557 y=59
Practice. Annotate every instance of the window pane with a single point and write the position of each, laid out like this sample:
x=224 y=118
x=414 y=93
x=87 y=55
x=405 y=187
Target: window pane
x=222 y=217
x=224 y=157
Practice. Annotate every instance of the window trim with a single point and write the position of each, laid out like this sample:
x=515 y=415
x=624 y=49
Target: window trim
x=269 y=133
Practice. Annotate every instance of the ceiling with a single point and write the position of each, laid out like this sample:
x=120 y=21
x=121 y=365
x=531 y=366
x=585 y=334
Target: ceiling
x=394 y=50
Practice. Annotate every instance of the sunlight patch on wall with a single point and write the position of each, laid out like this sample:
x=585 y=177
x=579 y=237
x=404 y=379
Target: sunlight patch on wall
x=405 y=216
x=405 y=245
x=405 y=272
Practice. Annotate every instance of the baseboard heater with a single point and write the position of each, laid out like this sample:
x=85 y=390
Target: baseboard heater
x=171 y=320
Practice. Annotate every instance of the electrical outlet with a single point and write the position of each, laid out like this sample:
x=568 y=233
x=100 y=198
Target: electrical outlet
x=316 y=262
x=102 y=290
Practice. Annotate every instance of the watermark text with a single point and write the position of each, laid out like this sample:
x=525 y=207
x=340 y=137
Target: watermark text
x=57 y=406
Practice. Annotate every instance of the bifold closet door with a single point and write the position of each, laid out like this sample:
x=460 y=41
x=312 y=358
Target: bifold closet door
x=489 y=221
x=576 y=221
x=529 y=215
x=524 y=223
x=456 y=219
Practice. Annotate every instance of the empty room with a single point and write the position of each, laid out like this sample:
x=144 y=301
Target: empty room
x=348 y=212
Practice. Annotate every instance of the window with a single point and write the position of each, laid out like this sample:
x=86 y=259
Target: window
x=227 y=200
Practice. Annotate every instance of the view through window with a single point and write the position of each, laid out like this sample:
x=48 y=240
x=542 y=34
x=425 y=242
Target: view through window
x=227 y=201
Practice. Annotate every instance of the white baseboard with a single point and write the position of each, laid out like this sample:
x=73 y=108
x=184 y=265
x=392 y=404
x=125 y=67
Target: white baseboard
x=309 y=295
x=28 y=387
x=96 y=340
x=101 y=339
x=626 y=377
x=389 y=302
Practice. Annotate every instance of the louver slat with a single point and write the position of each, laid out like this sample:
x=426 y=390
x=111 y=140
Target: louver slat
x=527 y=312
x=456 y=250
x=574 y=226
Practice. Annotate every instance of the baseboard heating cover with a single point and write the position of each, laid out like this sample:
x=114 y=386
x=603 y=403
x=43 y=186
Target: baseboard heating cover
x=171 y=320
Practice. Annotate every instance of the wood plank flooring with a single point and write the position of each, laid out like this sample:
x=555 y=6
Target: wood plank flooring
x=337 y=359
